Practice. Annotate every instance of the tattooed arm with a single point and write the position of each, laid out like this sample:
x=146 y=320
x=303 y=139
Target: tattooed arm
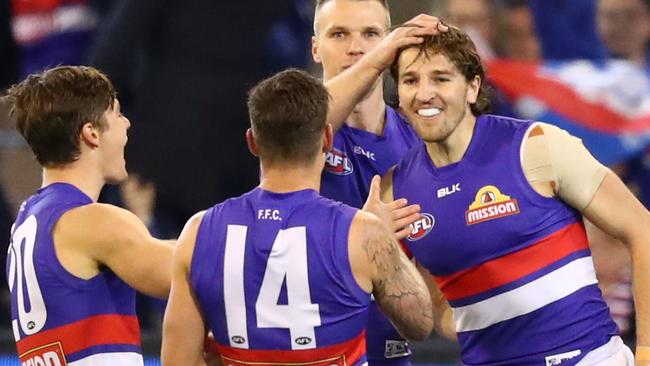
x=380 y=267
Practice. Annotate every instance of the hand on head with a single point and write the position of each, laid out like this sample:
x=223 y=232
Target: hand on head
x=409 y=33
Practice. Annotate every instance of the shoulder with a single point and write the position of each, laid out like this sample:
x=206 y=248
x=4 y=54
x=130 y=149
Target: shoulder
x=187 y=241
x=99 y=220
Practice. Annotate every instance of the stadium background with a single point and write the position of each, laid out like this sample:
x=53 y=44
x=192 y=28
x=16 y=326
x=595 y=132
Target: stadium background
x=183 y=69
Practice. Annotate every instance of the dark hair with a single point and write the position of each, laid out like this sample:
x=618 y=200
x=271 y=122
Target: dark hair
x=50 y=109
x=288 y=113
x=461 y=51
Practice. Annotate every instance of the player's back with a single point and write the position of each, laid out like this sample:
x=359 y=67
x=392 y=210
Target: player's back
x=58 y=318
x=273 y=279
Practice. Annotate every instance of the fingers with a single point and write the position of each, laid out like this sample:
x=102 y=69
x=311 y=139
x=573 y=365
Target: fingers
x=403 y=233
x=405 y=221
x=401 y=213
x=375 y=189
x=397 y=204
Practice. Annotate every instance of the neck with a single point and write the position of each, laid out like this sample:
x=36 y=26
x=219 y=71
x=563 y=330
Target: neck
x=370 y=114
x=76 y=174
x=283 y=178
x=451 y=149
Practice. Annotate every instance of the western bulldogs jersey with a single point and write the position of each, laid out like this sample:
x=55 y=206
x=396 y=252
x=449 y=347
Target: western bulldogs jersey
x=273 y=280
x=515 y=266
x=356 y=156
x=57 y=318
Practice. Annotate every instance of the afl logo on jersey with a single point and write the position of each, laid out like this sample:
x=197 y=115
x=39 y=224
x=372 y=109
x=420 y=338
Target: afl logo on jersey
x=422 y=227
x=337 y=162
x=303 y=341
x=238 y=339
x=490 y=204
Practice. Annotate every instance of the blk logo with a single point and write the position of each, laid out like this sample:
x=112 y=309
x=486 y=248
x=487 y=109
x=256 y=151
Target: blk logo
x=443 y=192
x=422 y=227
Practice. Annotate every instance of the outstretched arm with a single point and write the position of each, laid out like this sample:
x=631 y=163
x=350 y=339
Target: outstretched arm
x=349 y=88
x=113 y=237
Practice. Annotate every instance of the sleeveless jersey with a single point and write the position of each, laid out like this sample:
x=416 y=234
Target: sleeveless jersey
x=57 y=318
x=515 y=266
x=273 y=280
x=356 y=156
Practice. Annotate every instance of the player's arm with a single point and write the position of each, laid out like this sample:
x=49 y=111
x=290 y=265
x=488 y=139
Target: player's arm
x=443 y=318
x=582 y=182
x=616 y=211
x=380 y=267
x=442 y=315
x=184 y=330
x=349 y=88
x=113 y=237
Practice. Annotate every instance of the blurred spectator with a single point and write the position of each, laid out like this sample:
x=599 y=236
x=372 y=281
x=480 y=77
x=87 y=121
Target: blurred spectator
x=187 y=66
x=624 y=28
x=51 y=32
x=521 y=42
x=477 y=18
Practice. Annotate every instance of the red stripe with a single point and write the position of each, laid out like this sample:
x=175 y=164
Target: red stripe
x=93 y=331
x=518 y=79
x=20 y=7
x=513 y=266
x=346 y=353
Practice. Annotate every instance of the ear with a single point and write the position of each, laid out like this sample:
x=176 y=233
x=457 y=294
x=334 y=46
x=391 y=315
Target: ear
x=89 y=135
x=314 y=50
x=328 y=138
x=472 y=89
x=250 y=141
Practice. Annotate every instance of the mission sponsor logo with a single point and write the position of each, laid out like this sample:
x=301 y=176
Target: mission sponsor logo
x=422 y=227
x=490 y=204
x=48 y=355
x=338 y=163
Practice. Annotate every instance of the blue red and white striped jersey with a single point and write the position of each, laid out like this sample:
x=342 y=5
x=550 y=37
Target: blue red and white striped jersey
x=356 y=156
x=58 y=318
x=515 y=266
x=273 y=280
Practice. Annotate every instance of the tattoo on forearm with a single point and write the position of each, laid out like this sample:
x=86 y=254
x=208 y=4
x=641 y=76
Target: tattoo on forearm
x=399 y=289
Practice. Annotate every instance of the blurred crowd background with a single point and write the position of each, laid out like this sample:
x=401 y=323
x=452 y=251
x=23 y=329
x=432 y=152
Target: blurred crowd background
x=182 y=70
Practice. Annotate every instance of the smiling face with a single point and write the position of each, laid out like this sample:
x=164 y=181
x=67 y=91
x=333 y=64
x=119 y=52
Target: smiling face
x=344 y=31
x=113 y=140
x=434 y=95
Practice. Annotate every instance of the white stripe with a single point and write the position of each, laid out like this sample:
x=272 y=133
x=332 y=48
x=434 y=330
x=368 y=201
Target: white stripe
x=110 y=359
x=612 y=353
x=233 y=288
x=33 y=26
x=527 y=298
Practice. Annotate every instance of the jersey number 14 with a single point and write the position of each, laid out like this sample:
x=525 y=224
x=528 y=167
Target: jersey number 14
x=288 y=259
